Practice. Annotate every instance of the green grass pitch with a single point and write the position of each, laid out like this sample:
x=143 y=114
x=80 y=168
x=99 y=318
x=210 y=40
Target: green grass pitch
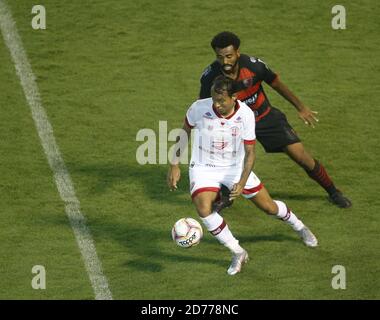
x=106 y=69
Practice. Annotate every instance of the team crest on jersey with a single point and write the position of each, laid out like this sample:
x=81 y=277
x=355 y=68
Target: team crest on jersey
x=253 y=59
x=234 y=131
x=248 y=82
x=238 y=119
x=219 y=145
x=207 y=115
x=210 y=128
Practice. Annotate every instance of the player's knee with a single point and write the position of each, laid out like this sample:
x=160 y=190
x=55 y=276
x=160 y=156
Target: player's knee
x=203 y=208
x=270 y=208
x=302 y=158
x=204 y=211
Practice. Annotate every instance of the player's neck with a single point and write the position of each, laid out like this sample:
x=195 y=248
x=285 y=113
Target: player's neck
x=231 y=112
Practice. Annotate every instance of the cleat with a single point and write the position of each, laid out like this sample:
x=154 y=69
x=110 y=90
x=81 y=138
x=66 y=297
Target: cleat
x=340 y=200
x=224 y=200
x=308 y=237
x=237 y=262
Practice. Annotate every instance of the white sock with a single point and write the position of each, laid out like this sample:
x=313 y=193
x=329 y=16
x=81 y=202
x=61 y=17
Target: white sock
x=286 y=215
x=219 y=229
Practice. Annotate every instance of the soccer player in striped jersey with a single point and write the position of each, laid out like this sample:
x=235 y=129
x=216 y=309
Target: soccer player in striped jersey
x=272 y=128
x=223 y=153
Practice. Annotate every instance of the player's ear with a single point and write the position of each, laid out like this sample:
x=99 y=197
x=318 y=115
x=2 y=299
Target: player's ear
x=238 y=52
x=234 y=97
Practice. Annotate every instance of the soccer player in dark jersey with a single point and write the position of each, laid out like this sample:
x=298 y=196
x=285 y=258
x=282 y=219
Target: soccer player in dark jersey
x=272 y=128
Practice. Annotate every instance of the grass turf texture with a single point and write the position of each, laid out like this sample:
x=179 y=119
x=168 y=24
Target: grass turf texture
x=106 y=69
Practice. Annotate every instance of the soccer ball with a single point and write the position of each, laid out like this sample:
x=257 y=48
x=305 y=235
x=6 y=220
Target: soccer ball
x=187 y=232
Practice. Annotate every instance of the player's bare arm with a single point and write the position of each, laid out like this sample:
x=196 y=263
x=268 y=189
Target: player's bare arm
x=304 y=113
x=174 y=172
x=249 y=161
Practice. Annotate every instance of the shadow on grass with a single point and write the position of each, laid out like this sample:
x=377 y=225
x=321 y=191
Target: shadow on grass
x=143 y=243
x=151 y=177
x=268 y=238
x=153 y=180
x=147 y=265
x=150 y=249
x=148 y=256
x=298 y=196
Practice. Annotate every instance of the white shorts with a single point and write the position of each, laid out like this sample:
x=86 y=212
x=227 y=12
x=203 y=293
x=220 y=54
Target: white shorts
x=209 y=179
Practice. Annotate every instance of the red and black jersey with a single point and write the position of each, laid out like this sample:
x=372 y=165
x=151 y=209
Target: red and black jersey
x=252 y=71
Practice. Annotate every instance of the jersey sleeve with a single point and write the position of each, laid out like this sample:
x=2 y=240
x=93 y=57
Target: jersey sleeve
x=191 y=116
x=207 y=78
x=263 y=71
x=205 y=91
x=249 y=135
x=206 y=82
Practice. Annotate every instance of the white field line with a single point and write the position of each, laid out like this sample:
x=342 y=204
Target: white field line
x=62 y=178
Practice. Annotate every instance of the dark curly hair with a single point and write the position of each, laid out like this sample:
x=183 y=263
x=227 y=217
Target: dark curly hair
x=222 y=83
x=225 y=39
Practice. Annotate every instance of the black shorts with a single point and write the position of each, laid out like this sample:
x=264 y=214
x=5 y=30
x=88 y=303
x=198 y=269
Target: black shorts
x=274 y=131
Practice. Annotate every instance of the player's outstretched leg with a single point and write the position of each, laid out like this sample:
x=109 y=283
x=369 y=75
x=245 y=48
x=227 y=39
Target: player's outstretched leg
x=286 y=215
x=279 y=209
x=218 y=227
x=318 y=173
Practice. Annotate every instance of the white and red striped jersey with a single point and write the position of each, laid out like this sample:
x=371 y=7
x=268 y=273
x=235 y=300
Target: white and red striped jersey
x=219 y=141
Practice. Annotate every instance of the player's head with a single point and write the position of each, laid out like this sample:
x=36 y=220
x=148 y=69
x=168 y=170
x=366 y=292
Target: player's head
x=222 y=93
x=225 y=39
x=226 y=46
x=223 y=84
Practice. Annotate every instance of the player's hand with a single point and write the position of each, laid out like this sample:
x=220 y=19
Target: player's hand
x=174 y=174
x=308 y=116
x=236 y=191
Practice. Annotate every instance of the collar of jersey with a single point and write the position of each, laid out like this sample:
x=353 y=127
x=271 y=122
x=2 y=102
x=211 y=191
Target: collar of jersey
x=237 y=107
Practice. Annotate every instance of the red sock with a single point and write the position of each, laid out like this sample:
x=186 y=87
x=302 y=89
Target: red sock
x=319 y=174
